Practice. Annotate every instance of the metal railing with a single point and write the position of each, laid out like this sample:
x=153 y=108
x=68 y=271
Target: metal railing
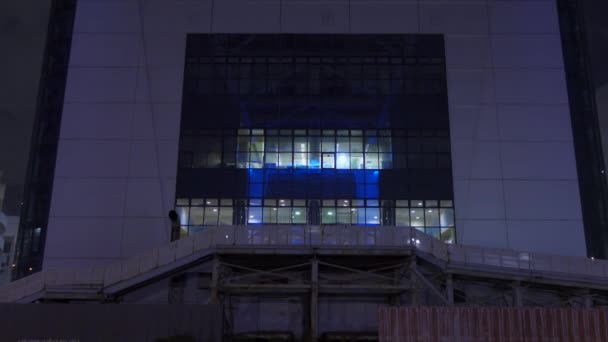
x=98 y=278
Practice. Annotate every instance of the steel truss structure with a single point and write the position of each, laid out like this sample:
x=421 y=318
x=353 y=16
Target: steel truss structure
x=323 y=282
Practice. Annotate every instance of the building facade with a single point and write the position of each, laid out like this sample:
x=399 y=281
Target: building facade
x=449 y=116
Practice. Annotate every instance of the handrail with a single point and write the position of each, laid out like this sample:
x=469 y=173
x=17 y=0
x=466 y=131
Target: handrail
x=303 y=236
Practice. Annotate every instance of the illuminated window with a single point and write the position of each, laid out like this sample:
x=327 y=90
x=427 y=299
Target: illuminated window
x=436 y=218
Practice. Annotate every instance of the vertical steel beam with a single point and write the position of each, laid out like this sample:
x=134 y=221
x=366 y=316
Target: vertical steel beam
x=215 y=281
x=518 y=297
x=314 y=300
x=449 y=288
x=414 y=282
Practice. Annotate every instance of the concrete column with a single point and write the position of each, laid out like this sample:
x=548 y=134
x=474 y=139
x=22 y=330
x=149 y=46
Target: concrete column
x=314 y=300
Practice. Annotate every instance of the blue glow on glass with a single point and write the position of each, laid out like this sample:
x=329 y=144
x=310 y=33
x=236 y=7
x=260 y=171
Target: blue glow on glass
x=376 y=173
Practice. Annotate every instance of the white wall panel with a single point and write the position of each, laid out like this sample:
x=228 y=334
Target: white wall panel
x=397 y=16
x=467 y=52
x=476 y=160
x=470 y=86
x=240 y=16
x=489 y=233
x=535 y=123
x=452 y=17
x=473 y=122
x=544 y=200
x=100 y=85
x=538 y=160
x=143 y=234
x=84 y=237
x=531 y=86
x=96 y=120
x=164 y=49
x=543 y=236
x=160 y=16
x=524 y=17
x=527 y=51
x=313 y=16
x=88 y=197
x=510 y=125
x=107 y=16
x=92 y=158
x=105 y=49
x=144 y=198
x=479 y=199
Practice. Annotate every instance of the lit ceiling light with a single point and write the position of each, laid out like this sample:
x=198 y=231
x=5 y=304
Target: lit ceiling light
x=282 y=201
x=208 y=202
x=274 y=208
x=353 y=209
x=420 y=204
x=345 y=201
x=430 y=211
x=251 y=216
x=297 y=213
x=214 y=209
x=417 y=217
x=375 y=217
x=330 y=213
x=413 y=211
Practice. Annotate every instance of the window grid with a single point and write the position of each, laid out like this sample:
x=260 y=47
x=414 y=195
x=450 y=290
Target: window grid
x=316 y=149
x=433 y=217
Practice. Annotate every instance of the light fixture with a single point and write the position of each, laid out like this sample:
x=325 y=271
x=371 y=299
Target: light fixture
x=420 y=204
x=345 y=201
x=417 y=217
x=430 y=211
x=375 y=217
x=282 y=201
x=208 y=202
x=251 y=216
x=215 y=210
x=274 y=209
x=297 y=213
x=353 y=209
x=413 y=211
x=330 y=213
x=226 y=236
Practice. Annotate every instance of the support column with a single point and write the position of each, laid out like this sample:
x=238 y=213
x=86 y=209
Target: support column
x=398 y=276
x=449 y=288
x=587 y=299
x=518 y=296
x=314 y=300
x=215 y=281
x=414 y=282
